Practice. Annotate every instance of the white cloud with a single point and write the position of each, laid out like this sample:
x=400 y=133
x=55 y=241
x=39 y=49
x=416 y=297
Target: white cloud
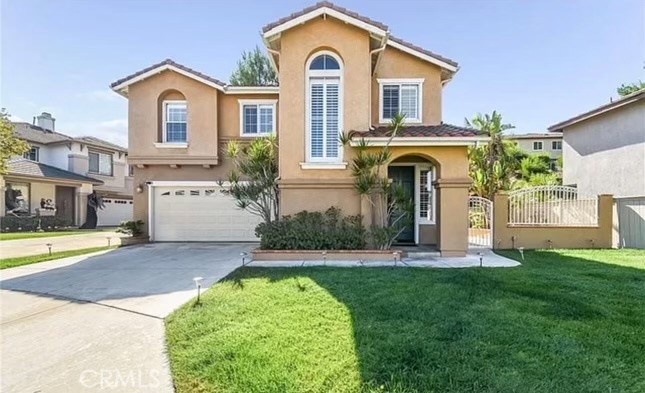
x=115 y=131
x=103 y=95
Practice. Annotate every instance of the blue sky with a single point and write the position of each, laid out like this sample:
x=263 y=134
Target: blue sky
x=537 y=62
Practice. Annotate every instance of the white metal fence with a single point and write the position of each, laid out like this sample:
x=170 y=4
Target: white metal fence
x=551 y=206
x=480 y=222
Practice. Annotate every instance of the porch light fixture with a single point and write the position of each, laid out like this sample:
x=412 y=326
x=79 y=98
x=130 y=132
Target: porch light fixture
x=198 y=284
x=49 y=246
x=521 y=250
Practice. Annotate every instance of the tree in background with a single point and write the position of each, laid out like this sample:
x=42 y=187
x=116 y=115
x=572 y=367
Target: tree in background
x=10 y=145
x=254 y=180
x=254 y=69
x=626 y=89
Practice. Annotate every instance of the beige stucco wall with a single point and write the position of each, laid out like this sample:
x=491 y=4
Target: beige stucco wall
x=532 y=237
x=526 y=144
x=144 y=118
x=397 y=64
x=38 y=191
x=606 y=154
x=229 y=114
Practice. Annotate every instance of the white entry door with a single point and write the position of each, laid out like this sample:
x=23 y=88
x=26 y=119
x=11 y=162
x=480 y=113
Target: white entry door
x=199 y=213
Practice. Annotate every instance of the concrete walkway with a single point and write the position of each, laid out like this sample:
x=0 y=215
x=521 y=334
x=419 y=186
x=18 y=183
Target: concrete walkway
x=95 y=323
x=472 y=259
x=27 y=247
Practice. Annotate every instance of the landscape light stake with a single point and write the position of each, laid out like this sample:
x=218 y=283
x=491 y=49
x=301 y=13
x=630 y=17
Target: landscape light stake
x=513 y=238
x=550 y=244
x=593 y=244
x=521 y=249
x=198 y=283
x=243 y=255
x=481 y=259
x=49 y=245
x=109 y=239
x=324 y=255
x=395 y=254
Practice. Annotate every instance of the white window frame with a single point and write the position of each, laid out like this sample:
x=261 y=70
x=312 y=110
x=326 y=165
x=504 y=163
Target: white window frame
x=36 y=149
x=541 y=146
x=553 y=145
x=165 y=120
x=100 y=153
x=312 y=75
x=398 y=81
x=258 y=104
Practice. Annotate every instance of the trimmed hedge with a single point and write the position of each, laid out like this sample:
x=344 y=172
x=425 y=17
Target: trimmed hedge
x=313 y=231
x=30 y=223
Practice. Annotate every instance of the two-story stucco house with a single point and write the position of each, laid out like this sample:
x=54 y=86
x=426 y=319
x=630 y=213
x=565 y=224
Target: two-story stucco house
x=338 y=72
x=536 y=143
x=58 y=172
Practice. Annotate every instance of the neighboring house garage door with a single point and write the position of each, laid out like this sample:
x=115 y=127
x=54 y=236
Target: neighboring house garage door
x=115 y=211
x=199 y=213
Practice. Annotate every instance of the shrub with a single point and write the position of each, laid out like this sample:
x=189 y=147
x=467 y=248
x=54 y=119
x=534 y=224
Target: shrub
x=30 y=223
x=313 y=231
x=131 y=228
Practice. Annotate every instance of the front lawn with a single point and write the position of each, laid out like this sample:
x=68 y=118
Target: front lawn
x=570 y=321
x=34 y=235
x=21 y=261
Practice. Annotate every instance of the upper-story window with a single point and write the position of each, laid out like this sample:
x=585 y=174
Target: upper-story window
x=556 y=145
x=400 y=96
x=175 y=122
x=100 y=163
x=33 y=154
x=257 y=117
x=537 y=145
x=324 y=107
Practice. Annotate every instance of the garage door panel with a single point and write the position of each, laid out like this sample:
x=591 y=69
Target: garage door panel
x=200 y=214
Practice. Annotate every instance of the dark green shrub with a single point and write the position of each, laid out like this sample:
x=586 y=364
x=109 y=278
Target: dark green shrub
x=30 y=223
x=313 y=231
x=131 y=228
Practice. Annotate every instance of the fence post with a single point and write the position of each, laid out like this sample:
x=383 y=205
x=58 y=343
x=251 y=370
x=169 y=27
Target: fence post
x=500 y=218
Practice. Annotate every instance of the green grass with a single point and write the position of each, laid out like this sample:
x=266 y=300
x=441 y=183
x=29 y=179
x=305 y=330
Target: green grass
x=21 y=261
x=569 y=321
x=35 y=235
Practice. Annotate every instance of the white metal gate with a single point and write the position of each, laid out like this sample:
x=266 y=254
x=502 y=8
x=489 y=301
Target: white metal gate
x=480 y=222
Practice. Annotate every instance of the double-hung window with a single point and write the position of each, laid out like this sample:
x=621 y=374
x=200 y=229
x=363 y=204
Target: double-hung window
x=257 y=118
x=537 y=146
x=324 y=108
x=175 y=122
x=556 y=145
x=33 y=154
x=100 y=163
x=400 y=96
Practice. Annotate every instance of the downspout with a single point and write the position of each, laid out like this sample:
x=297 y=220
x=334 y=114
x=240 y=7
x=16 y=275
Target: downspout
x=373 y=52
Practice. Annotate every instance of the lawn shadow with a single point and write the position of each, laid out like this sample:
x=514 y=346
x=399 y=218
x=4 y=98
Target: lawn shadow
x=551 y=325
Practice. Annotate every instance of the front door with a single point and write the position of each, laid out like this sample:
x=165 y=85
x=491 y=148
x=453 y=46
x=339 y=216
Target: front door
x=65 y=204
x=404 y=176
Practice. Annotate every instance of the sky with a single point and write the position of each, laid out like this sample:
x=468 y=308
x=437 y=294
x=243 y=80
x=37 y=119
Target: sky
x=535 y=62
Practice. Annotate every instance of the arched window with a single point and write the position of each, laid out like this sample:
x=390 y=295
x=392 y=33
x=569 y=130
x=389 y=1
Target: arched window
x=324 y=107
x=174 y=117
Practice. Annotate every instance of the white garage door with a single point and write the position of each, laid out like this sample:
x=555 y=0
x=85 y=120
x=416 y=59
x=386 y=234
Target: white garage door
x=115 y=211
x=199 y=213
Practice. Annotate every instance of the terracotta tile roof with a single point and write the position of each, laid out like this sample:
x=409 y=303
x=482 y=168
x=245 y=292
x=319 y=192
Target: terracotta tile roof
x=19 y=166
x=440 y=130
x=322 y=4
x=171 y=63
x=424 y=51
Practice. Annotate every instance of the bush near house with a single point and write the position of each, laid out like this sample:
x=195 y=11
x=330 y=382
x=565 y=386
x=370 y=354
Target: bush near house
x=313 y=231
x=31 y=223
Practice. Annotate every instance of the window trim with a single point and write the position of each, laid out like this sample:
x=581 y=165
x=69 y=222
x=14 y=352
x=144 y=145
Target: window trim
x=309 y=76
x=164 y=120
x=401 y=81
x=553 y=143
x=100 y=152
x=27 y=155
x=541 y=146
x=258 y=103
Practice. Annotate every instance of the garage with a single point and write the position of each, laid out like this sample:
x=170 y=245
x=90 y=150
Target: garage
x=198 y=212
x=115 y=211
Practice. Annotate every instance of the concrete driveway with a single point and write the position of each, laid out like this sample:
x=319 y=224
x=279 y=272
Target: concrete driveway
x=95 y=323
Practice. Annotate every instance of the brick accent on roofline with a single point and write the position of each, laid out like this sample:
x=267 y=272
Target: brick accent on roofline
x=439 y=130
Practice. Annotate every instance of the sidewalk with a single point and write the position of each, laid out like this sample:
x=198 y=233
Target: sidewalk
x=27 y=247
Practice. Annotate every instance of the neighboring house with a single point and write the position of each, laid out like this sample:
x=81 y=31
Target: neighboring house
x=535 y=143
x=60 y=171
x=604 y=148
x=338 y=72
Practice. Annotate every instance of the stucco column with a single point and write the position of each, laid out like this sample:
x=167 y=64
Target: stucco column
x=605 y=220
x=500 y=220
x=452 y=234
x=81 y=203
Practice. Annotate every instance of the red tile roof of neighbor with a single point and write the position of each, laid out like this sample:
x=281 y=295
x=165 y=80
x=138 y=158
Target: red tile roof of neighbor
x=440 y=130
x=170 y=63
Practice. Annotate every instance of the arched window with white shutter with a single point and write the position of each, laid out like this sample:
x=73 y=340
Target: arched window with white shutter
x=324 y=107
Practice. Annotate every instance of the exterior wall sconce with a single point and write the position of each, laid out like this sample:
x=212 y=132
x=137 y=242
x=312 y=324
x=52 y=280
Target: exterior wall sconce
x=139 y=189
